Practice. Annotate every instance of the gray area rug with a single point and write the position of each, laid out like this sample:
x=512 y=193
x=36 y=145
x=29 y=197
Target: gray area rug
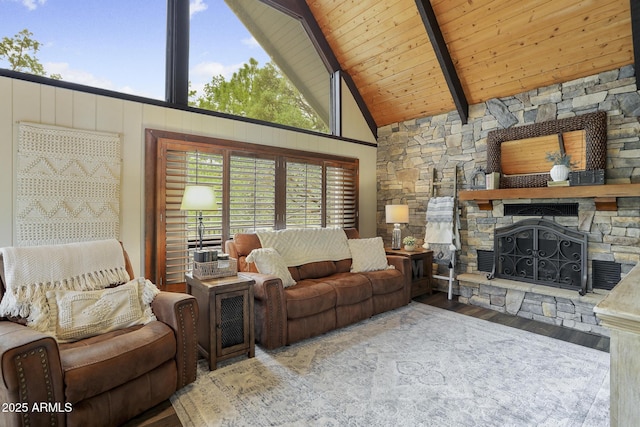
x=415 y=366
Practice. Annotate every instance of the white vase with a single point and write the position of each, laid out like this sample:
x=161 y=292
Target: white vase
x=559 y=172
x=409 y=248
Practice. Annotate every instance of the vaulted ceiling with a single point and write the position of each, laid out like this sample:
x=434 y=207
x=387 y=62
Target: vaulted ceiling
x=494 y=48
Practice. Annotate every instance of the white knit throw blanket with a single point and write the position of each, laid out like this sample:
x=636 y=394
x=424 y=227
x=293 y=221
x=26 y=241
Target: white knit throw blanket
x=302 y=246
x=32 y=271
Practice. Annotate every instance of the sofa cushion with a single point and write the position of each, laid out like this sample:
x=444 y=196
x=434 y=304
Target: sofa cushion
x=245 y=243
x=368 y=254
x=241 y=246
x=343 y=266
x=351 y=288
x=309 y=297
x=95 y=365
x=385 y=281
x=315 y=270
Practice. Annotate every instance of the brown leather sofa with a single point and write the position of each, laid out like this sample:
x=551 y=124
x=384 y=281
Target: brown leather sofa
x=104 y=380
x=326 y=296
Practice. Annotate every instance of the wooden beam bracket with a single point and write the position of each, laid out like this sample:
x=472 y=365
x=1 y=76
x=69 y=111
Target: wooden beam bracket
x=606 y=203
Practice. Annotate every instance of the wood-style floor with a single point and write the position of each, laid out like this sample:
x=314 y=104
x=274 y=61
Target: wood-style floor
x=163 y=415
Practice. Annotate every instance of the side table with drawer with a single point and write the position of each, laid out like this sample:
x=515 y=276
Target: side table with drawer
x=421 y=268
x=226 y=321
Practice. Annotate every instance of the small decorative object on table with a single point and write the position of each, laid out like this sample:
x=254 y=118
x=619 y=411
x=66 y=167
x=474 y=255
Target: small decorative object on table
x=493 y=180
x=409 y=243
x=590 y=177
x=561 y=165
x=223 y=267
x=478 y=179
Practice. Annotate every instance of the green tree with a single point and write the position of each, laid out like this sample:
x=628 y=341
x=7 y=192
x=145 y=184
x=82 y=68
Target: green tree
x=260 y=93
x=20 y=51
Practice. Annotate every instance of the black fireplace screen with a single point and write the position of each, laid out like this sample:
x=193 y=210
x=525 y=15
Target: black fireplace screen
x=542 y=252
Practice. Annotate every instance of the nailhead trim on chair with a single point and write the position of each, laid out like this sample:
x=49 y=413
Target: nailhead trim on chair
x=180 y=313
x=24 y=395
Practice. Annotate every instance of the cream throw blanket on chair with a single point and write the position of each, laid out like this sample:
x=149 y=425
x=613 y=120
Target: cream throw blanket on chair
x=29 y=272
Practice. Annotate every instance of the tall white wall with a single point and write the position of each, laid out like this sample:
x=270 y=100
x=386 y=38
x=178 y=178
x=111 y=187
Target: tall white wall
x=33 y=102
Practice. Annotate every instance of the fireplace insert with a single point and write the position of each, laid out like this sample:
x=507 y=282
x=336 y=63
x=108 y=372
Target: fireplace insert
x=542 y=252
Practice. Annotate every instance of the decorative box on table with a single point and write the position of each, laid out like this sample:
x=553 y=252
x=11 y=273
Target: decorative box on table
x=214 y=269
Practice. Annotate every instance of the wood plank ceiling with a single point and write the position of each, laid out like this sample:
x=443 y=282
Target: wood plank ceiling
x=498 y=47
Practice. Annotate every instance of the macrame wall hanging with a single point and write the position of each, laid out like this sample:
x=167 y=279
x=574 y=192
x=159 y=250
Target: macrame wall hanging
x=67 y=185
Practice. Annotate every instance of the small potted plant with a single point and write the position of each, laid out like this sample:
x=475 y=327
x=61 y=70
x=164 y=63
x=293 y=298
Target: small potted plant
x=409 y=243
x=562 y=164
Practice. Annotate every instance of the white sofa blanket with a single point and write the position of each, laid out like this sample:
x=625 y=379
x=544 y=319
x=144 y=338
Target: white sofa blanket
x=302 y=246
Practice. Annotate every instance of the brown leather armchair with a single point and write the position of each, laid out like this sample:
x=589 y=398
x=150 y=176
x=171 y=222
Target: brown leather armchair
x=104 y=380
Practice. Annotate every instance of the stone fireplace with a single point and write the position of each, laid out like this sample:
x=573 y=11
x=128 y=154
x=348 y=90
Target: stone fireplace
x=544 y=267
x=540 y=269
x=409 y=152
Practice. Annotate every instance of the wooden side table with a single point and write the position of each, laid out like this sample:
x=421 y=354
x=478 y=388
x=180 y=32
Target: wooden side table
x=421 y=269
x=226 y=321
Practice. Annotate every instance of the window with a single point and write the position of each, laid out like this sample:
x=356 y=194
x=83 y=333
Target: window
x=294 y=81
x=304 y=195
x=342 y=199
x=257 y=187
x=252 y=198
x=230 y=72
x=90 y=44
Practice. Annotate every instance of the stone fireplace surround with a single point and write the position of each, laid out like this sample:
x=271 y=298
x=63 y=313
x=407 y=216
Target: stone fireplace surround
x=553 y=305
x=408 y=152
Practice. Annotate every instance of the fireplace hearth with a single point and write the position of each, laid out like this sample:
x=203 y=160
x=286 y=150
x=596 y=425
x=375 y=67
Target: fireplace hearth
x=541 y=252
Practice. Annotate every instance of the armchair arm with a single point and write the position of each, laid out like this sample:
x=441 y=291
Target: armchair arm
x=403 y=264
x=270 y=307
x=180 y=312
x=31 y=375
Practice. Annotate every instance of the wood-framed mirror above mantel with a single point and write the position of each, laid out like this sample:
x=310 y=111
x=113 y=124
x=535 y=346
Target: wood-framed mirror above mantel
x=519 y=153
x=523 y=147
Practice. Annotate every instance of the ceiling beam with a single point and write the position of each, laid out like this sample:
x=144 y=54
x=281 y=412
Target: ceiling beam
x=635 y=35
x=299 y=10
x=444 y=58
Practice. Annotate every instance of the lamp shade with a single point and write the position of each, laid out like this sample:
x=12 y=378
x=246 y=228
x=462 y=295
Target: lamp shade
x=198 y=198
x=397 y=214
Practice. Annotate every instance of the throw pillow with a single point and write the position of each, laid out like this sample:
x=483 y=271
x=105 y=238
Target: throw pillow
x=368 y=255
x=74 y=315
x=269 y=261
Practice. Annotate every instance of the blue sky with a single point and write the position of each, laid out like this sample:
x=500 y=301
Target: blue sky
x=120 y=44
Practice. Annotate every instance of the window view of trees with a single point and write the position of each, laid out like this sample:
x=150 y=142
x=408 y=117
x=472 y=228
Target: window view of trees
x=20 y=52
x=262 y=93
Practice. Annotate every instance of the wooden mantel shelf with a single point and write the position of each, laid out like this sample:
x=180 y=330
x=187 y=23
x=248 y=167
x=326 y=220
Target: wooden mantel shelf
x=605 y=196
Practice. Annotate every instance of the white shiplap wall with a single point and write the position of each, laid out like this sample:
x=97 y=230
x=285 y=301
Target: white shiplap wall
x=26 y=101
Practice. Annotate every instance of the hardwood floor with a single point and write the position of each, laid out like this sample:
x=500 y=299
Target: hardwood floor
x=163 y=415
x=439 y=299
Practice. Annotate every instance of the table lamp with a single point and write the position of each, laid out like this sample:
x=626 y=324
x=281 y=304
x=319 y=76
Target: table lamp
x=198 y=198
x=396 y=215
